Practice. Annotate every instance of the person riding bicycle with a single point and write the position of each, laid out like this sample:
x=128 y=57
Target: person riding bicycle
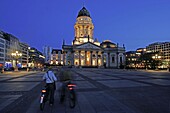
x=50 y=79
x=65 y=76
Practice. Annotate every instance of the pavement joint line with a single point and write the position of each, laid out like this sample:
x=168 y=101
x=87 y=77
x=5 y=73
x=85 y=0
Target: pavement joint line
x=131 y=79
x=94 y=82
x=13 y=92
x=17 y=81
x=19 y=77
x=23 y=100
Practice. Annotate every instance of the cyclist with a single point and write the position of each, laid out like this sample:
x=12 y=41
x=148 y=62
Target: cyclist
x=50 y=79
x=65 y=77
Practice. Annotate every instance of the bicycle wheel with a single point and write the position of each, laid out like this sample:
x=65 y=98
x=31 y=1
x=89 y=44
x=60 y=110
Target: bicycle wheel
x=72 y=99
x=42 y=106
x=42 y=103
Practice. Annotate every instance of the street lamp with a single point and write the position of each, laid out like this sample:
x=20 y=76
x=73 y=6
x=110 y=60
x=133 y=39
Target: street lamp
x=16 y=55
x=28 y=58
x=156 y=57
x=168 y=66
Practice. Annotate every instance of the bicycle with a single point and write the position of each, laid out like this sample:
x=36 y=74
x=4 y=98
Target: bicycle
x=68 y=89
x=42 y=99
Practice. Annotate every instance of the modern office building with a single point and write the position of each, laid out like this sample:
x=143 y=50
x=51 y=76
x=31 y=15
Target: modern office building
x=36 y=58
x=25 y=54
x=163 y=48
x=2 y=50
x=14 y=46
x=47 y=53
x=87 y=51
x=133 y=58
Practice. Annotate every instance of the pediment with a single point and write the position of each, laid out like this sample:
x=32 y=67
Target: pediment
x=88 y=46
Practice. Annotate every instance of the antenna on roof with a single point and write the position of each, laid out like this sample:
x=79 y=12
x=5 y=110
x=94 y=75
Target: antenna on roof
x=63 y=42
x=83 y=3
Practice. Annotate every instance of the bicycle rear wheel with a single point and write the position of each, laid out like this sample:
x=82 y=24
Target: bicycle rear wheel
x=42 y=103
x=72 y=99
x=42 y=106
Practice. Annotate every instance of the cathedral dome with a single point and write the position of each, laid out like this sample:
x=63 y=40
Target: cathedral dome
x=83 y=12
x=107 y=44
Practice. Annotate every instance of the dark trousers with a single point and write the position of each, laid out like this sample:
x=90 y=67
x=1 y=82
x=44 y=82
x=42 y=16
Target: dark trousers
x=50 y=92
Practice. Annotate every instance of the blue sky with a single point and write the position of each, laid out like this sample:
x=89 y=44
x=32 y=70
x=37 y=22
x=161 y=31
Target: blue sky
x=135 y=23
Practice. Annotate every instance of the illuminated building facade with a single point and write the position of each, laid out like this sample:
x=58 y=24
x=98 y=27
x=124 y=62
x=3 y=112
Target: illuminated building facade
x=2 y=50
x=56 y=57
x=133 y=58
x=25 y=54
x=163 y=48
x=36 y=58
x=87 y=51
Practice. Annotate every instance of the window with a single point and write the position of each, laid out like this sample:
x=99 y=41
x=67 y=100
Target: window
x=99 y=56
x=113 y=59
x=120 y=59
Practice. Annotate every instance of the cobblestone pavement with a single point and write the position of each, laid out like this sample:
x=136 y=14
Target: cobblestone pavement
x=98 y=91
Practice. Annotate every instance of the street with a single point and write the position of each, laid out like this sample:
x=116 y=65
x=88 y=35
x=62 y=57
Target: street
x=98 y=91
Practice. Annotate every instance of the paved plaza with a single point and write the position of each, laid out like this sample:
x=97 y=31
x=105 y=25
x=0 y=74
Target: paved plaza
x=98 y=91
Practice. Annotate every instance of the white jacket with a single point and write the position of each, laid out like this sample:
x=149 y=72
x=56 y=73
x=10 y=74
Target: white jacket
x=49 y=77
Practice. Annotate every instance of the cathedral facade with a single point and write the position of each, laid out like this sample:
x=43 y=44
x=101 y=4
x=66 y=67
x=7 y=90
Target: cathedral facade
x=86 y=51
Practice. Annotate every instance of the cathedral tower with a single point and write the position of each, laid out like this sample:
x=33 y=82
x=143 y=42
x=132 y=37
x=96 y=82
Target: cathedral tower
x=83 y=28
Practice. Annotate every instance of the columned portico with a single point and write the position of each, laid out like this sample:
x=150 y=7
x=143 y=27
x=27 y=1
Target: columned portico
x=87 y=57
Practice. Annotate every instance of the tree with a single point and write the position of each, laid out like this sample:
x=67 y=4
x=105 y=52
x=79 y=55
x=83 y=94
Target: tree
x=147 y=59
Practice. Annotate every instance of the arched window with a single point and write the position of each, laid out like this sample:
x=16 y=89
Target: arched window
x=113 y=58
x=121 y=59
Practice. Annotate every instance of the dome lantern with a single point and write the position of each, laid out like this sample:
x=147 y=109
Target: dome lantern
x=83 y=12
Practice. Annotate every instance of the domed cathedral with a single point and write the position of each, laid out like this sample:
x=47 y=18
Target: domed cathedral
x=86 y=51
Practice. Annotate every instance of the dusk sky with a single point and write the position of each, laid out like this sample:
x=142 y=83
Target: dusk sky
x=135 y=23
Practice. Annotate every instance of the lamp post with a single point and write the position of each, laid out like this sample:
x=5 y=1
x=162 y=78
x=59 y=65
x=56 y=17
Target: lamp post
x=156 y=57
x=168 y=66
x=28 y=58
x=16 y=55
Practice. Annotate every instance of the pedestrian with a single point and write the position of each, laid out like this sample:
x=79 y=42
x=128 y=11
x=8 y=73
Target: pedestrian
x=49 y=78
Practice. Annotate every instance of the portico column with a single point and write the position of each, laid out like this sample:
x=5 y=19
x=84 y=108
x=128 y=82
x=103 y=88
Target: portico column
x=66 y=62
x=85 y=57
x=108 y=59
x=124 y=59
x=91 y=58
x=72 y=57
x=117 y=59
x=64 y=58
x=79 y=58
x=97 y=57
x=102 y=58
